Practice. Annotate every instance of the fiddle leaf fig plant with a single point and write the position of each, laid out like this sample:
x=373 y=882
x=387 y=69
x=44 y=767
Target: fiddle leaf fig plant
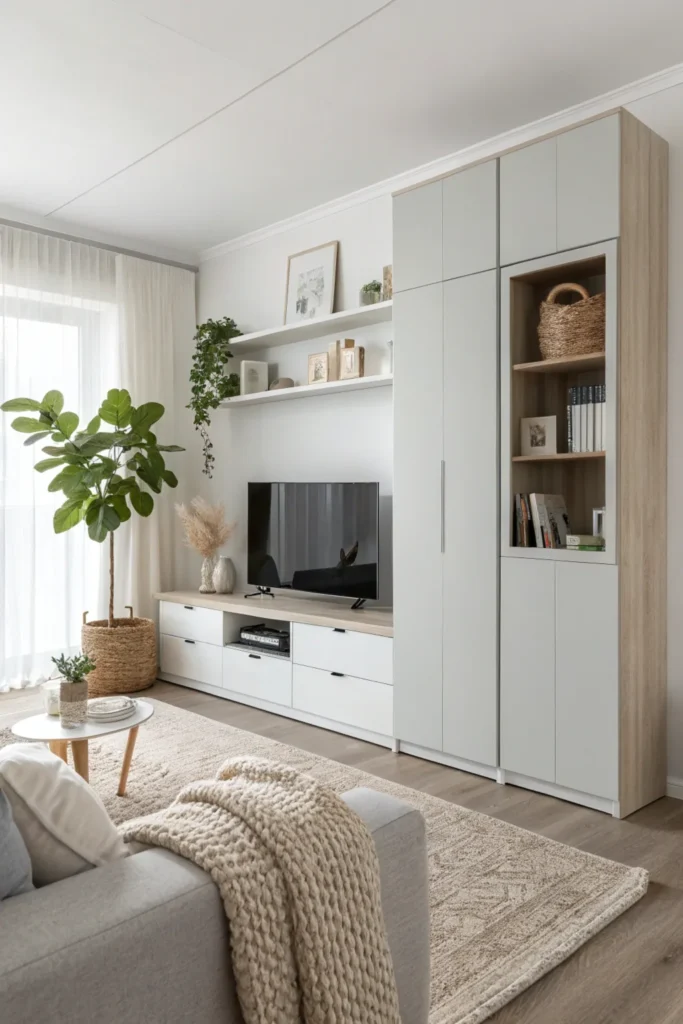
x=210 y=384
x=92 y=462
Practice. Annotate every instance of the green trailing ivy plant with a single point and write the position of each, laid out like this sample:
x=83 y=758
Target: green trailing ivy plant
x=210 y=384
x=90 y=462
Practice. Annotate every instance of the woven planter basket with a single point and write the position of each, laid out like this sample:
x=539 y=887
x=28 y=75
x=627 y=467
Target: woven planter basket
x=572 y=330
x=125 y=656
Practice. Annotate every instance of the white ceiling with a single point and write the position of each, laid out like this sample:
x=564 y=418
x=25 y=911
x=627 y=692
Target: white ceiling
x=183 y=123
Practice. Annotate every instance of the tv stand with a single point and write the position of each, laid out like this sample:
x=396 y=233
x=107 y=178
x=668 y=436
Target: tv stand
x=358 y=603
x=262 y=592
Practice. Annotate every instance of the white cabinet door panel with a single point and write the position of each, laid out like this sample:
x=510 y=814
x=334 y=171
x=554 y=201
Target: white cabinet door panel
x=417 y=237
x=470 y=581
x=417 y=527
x=587 y=678
x=258 y=675
x=190 y=660
x=528 y=202
x=470 y=220
x=527 y=667
x=344 y=699
x=191 y=623
x=588 y=168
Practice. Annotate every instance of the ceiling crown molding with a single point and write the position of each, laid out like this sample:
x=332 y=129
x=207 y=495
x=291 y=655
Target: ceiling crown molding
x=620 y=97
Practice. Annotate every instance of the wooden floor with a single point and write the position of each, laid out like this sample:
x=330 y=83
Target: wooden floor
x=632 y=973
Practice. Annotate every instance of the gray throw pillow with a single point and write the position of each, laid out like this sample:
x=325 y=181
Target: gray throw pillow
x=15 y=864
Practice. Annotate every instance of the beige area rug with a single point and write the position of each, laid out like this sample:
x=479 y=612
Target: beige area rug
x=506 y=905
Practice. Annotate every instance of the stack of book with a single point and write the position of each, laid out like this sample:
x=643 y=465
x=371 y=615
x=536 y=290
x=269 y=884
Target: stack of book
x=541 y=521
x=586 y=422
x=585 y=542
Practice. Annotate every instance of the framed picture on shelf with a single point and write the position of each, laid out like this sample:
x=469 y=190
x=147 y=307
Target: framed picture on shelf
x=539 y=435
x=318 y=365
x=311 y=280
x=253 y=376
x=351 y=360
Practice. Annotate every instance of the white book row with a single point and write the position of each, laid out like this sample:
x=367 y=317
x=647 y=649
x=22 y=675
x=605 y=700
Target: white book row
x=586 y=419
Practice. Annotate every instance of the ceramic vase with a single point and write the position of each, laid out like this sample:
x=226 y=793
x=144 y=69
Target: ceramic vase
x=208 y=565
x=224 y=576
x=73 y=703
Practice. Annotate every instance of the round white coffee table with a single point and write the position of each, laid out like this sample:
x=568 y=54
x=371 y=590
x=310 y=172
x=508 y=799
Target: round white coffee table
x=49 y=729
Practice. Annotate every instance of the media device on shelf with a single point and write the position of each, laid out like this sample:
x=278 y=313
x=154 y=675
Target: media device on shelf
x=322 y=538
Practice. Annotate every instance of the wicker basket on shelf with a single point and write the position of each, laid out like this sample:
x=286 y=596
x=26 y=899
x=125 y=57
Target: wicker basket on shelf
x=125 y=654
x=574 y=329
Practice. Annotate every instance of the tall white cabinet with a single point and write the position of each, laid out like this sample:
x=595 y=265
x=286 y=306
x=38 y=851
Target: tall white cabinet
x=445 y=467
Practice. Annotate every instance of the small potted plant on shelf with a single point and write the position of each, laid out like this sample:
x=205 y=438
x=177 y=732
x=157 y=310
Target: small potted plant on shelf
x=370 y=293
x=73 y=688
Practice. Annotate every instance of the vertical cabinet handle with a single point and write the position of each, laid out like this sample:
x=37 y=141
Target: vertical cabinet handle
x=443 y=506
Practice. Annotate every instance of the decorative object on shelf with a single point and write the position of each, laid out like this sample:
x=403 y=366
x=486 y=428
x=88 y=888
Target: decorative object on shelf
x=352 y=360
x=571 y=329
x=89 y=462
x=387 y=282
x=224 y=575
x=539 y=435
x=318 y=365
x=253 y=376
x=311 y=280
x=281 y=383
x=73 y=688
x=371 y=293
x=585 y=542
x=50 y=692
x=599 y=521
x=111 y=709
x=205 y=531
x=210 y=384
x=333 y=359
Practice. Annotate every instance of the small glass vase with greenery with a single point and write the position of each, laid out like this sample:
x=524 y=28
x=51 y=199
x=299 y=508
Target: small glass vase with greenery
x=73 y=688
x=370 y=293
x=210 y=384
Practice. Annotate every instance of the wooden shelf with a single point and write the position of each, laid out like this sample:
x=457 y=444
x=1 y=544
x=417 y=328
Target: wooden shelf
x=559 y=457
x=570 y=364
x=310 y=391
x=306 y=330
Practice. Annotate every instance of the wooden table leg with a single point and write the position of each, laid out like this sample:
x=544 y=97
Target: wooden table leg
x=59 y=747
x=127 y=758
x=79 y=749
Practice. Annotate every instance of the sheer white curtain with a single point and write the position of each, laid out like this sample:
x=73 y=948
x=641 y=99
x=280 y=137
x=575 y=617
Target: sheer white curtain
x=81 y=320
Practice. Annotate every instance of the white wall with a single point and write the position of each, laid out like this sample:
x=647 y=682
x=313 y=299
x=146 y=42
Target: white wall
x=303 y=440
x=336 y=437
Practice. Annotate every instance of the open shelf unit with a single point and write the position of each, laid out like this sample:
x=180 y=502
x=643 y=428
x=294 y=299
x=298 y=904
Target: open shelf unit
x=310 y=391
x=535 y=387
x=307 y=330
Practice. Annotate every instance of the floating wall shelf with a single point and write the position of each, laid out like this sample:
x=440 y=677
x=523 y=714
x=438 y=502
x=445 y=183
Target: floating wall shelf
x=306 y=330
x=310 y=391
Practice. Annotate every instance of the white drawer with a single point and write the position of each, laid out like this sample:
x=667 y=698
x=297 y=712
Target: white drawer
x=191 y=660
x=344 y=699
x=258 y=675
x=343 y=650
x=192 y=623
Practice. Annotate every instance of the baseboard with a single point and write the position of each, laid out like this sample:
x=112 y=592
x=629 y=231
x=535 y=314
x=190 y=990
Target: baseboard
x=595 y=803
x=473 y=767
x=674 y=788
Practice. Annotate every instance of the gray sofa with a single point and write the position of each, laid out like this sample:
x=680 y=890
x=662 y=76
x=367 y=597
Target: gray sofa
x=145 y=940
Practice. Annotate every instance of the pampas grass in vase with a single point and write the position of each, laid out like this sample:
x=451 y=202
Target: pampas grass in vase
x=206 y=531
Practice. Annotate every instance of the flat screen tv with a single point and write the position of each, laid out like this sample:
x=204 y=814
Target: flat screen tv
x=321 y=538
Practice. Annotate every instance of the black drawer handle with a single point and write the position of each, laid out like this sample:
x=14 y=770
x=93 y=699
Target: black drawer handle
x=340 y=675
x=257 y=656
x=335 y=629
x=188 y=607
x=189 y=641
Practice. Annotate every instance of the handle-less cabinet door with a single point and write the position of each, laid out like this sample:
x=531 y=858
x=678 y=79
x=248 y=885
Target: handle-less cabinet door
x=470 y=220
x=587 y=678
x=418 y=524
x=470 y=579
x=418 y=237
x=528 y=202
x=588 y=183
x=527 y=667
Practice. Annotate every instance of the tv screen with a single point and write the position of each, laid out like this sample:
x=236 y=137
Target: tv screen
x=322 y=538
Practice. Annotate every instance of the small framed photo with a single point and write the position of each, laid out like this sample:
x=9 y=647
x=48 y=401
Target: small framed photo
x=253 y=376
x=351 y=361
x=311 y=280
x=539 y=435
x=318 y=368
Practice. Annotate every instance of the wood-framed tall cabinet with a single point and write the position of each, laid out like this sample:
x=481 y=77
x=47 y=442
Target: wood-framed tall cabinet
x=542 y=667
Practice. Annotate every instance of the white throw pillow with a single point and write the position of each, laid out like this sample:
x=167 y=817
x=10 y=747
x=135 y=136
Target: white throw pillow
x=61 y=819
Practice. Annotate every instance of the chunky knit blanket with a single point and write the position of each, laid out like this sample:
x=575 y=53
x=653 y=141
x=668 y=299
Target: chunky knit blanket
x=299 y=877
